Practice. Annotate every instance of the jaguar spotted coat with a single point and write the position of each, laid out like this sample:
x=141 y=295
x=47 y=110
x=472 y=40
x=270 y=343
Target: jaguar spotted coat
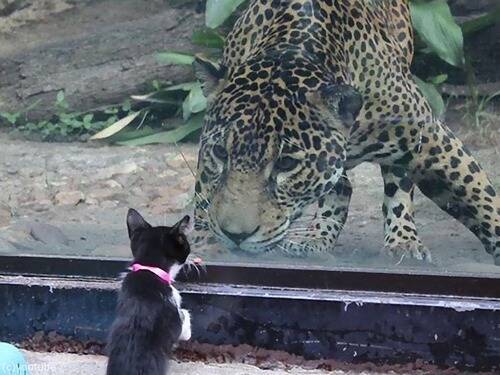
x=307 y=90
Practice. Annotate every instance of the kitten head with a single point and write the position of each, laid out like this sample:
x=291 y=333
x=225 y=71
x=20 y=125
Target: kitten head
x=162 y=246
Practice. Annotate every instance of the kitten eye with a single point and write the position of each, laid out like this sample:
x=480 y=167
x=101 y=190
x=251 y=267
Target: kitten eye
x=220 y=152
x=286 y=164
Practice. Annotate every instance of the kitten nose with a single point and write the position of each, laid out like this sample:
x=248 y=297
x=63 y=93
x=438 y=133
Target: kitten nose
x=238 y=238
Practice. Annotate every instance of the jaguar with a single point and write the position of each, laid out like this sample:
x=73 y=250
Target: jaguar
x=306 y=90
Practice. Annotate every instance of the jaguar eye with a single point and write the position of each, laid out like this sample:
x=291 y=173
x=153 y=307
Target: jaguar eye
x=286 y=163
x=220 y=152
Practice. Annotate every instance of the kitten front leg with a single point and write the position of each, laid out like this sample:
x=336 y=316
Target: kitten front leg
x=186 y=325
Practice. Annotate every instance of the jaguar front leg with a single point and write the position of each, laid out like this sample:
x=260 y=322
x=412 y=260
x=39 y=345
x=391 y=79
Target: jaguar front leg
x=446 y=172
x=316 y=232
x=400 y=233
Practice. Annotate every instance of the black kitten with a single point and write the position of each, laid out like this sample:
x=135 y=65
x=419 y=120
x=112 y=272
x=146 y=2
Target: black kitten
x=149 y=316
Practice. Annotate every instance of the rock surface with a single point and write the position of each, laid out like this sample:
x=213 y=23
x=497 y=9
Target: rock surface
x=72 y=199
x=5 y=215
x=69 y=198
x=46 y=233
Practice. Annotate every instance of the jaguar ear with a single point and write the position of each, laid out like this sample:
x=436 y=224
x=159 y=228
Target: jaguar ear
x=344 y=101
x=209 y=73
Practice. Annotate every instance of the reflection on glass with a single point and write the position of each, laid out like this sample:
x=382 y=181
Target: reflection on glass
x=330 y=137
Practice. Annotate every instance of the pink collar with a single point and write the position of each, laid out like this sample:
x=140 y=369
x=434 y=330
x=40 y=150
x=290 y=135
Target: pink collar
x=164 y=276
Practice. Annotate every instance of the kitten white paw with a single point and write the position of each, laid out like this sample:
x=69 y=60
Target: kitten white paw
x=186 y=325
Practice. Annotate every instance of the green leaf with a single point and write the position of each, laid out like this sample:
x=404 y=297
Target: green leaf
x=116 y=127
x=60 y=96
x=131 y=133
x=156 y=97
x=67 y=120
x=439 y=79
x=217 y=11
x=432 y=95
x=49 y=127
x=435 y=25
x=208 y=38
x=172 y=96
x=195 y=102
x=186 y=86
x=111 y=111
x=11 y=118
x=87 y=119
x=126 y=106
x=110 y=120
x=481 y=22
x=174 y=58
x=156 y=85
x=171 y=136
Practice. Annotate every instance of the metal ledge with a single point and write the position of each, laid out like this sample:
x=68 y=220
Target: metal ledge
x=270 y=276
x=350 y=326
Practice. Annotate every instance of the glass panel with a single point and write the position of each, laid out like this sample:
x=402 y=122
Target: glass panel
x=306 y=102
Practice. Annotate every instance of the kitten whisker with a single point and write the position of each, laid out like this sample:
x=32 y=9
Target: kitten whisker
x=197 y=267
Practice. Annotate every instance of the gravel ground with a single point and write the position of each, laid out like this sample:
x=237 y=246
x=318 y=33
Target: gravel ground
x=72 y=199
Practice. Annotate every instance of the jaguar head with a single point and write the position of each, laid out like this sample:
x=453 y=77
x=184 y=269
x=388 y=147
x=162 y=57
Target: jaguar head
x=273 y=143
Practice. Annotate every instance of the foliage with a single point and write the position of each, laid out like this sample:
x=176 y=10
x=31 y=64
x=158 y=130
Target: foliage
x=208 y=38
x=170 y=113
x=435 y=25
x=433 y=96
x=219 y=10
x=174 y=58
x=170 y=136
x=64 y=124
x=440 y=35
x=483 y=120
x=477 y=24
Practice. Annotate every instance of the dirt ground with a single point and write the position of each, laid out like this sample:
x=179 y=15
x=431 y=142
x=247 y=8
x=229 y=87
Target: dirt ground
x=72 y=198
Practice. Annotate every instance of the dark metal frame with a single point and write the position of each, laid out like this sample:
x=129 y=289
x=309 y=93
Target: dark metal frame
x=351 y=315
x=270 y=276
x=381 y=328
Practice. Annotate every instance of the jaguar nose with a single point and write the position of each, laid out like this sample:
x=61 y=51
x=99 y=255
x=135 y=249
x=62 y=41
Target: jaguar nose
x=238 y=238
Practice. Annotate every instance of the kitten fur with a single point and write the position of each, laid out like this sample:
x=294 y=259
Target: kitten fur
x=149 y=319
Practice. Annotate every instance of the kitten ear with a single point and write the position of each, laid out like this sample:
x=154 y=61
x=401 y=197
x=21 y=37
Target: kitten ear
x=184 y=226
x=135 y=221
